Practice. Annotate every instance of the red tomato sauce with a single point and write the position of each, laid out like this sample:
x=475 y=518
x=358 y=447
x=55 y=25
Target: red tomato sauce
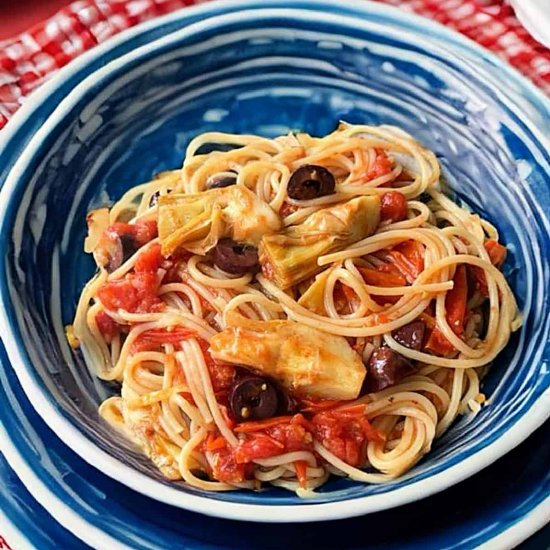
x=345 y=433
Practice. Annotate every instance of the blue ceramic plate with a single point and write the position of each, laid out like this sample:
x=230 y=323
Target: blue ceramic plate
x=269 y=69
x=495 y=509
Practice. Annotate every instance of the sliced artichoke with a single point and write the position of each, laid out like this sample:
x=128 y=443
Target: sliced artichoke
x=314 y=297
x=98 y=222
x=290 y=257
x=306 y=361
x=198 y=221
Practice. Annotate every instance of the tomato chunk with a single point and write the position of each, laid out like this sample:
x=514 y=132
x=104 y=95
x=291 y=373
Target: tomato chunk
x=344 y=434
x=215 y=443
x=345 y=298
x=145 y=231
x=456 y=301
x=153 y=339
x=393 y=206
x=381 y=166
x=293 y=436
x=273 y=437
x=222 y=374
x=226 y=468
x=150 y=260
x=258 y=445
x=136 y=293
x=108 y=327
x=141 y=232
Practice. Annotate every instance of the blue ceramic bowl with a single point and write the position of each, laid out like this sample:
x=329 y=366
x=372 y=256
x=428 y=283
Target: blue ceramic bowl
x=267 y=69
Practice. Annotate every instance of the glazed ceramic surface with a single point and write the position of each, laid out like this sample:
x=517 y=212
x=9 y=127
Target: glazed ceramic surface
x=269 y=69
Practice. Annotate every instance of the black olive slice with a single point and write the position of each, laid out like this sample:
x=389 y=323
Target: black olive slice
x=386 y=368
x=235 y=258
x=310 y=182
x=225 y=179
x=253 y=398
x=155 y=197
x=411 y=335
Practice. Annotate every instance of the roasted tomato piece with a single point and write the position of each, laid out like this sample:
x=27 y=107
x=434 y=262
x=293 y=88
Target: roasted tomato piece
x=344 y=435
x=226 y=468
x=107 y=326
x=393 y=207
x=381 y=166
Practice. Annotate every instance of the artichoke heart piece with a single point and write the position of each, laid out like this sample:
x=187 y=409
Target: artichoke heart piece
x=290 y=257
x=142 y=426
x=306 y=361
x=197 y=221
x=314 y=297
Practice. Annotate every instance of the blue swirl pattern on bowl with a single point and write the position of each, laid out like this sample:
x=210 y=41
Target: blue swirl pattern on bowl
x=268 y=72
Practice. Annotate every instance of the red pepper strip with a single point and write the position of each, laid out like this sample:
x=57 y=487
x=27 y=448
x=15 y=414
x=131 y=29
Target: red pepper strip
x=496 y=251
x=228 y=420
x=455 y=306
x=381 y=278
x=215 y=443
x=414 y=252
x=316 y=406
x=404 y=266
x=162 y=336
x=438 y=344
x=348 y=292
x=351 y=410
x=254 y=426
x=497 y=255
x=428 y=319
x=344 y=298
x=456 y=301
x=301 y=472
x=371 y=432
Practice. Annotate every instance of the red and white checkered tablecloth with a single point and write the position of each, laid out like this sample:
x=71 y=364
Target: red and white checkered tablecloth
x=29 y=59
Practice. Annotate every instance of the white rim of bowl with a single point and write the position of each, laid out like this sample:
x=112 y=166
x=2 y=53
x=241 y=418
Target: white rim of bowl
x=116 y=469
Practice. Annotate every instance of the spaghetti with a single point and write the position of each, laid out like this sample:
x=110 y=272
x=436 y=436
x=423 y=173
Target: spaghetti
x=287 y=309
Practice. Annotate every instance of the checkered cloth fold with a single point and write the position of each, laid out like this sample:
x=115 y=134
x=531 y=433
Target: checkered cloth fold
x=27 y=60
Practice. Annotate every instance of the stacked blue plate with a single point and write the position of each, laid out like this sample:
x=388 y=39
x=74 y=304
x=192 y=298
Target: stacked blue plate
x=126 y=110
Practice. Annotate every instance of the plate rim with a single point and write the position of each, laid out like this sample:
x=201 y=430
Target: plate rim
x=148 y=486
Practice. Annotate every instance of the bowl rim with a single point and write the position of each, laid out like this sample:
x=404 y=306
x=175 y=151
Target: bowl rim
x=84 y=446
